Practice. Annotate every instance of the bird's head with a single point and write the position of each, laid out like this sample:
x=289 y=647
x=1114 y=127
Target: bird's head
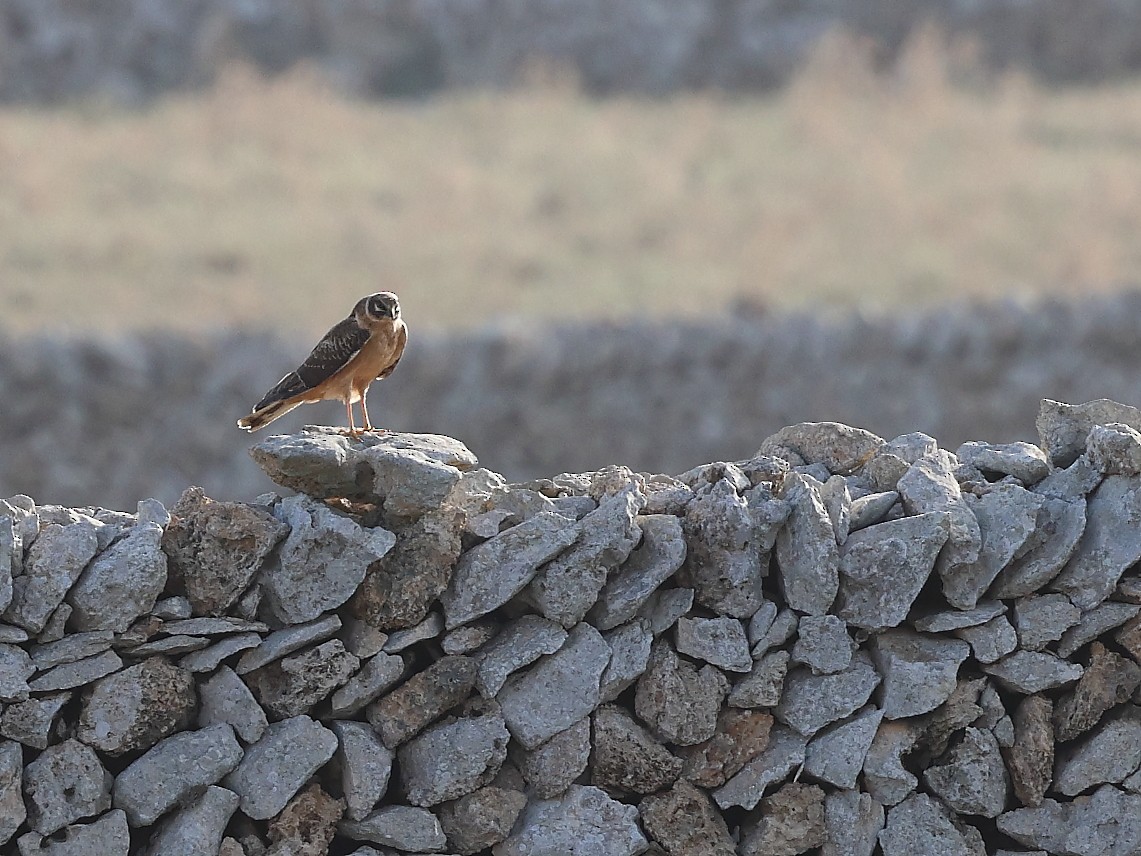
x=377 y=307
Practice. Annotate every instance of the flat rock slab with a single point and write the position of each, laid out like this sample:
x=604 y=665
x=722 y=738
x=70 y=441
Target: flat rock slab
x=1007 y=517
x=919 y=672
x=283 y=642
x=410 y=474
x=783 y=754
x=224 y=698
x=275 y=768
x=660 y=555
x=1061 y=524
x=398 y=826
x=720 y=642
x=836 y=755
x=1024 y=461
x=453 y=758
x=366 y=766
x=519 y=644
x=1042 y=619
x=811 y=702
x=1028 y=672
x=121 y=583
x=583 y=821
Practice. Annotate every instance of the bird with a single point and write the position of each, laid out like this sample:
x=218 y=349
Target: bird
x=362 y=348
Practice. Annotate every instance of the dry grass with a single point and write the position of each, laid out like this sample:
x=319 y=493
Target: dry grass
x=280 y=202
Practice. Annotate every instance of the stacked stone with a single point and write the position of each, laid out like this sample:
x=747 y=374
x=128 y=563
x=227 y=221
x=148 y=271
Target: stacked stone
x=842 y=645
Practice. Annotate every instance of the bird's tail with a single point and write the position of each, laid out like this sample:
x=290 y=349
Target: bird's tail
x=264 y=415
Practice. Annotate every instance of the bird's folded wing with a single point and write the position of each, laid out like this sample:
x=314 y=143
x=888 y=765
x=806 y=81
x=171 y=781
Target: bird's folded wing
x=331 y=354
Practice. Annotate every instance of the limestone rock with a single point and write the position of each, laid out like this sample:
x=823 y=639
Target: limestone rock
x=292 y=685
x=627 y=758
x=783 y=754
x=30 y=722
x=15 y=669
x=971 y=779
x=377 y=675
x=65 y=783
x=630 y=647
x=135 y=708
x=718 y=641
x=422 y=699
x=1043 y=619
x=1063 y=428
x=519 y=644
x=1061 y=524
x=173 y=770
x=1110 y=753
x=1031 y=758
x=558 y=691
x=1024 y=461
x=67 y=676
x=811 y=702
x=453 y=758
x=583 y=820
x=956 y=619
x=823 y=644
x=885 y=776
x=490 y=574
x=1094 y=623
x=366 y=765
x=12 y=810
x=724 y=564
x=410 y=474
x=401 y=827
x=107 y=836
x=921 y=824
x=551 y=768
x=210 y=658
x=52 y=565
x=322 y=561
x=1109 y=680
x=918 y=671
x=790 y=822
x=121 y=583
x=884 y=567
x=665 y=607
x=852 y=824
x=991 y=641
x=306 y=825
x=1006 y=516
x=283 y=642
x=1114 y=449
x=764 y=685
x=216 y=548
x=276 y=767
x=685 y=823
x=807 y=556
x=197 y=828
x=1107 y=823
x=225 y=699
x=870 y=509
x=836 y=755
x=678 y=702
x=480 y=819
x=660 y=555
x=840 y=448
x=1029 y=672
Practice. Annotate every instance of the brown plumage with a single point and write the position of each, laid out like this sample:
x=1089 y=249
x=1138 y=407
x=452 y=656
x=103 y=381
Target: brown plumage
x=364 y=347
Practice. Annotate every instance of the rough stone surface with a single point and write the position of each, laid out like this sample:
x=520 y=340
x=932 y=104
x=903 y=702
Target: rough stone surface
x=283 y=642
x=885 y=776
x=659 y=556
x=1028 y=672
x=12 y=809
x=971 y=779
x=64 y=784
x=1107 y=823
x=921 y=825
x=823 y=644
x=783 y=754
x=884 y=567
x=679 y=702
x=1061 y=524
x=1043 y=619
x=741 y=736
x=764 y=684
x=558 y=691
x=551 y=768
x=840 y=448
x=918 y=671
x=422 y=699
x=811 y=702
x=133 y=709
x=480 y=819
x=453 y=758
x=991 y=641
x=15 y=669
x=306 y=825
x=378 y=674
x=30 y=722
x=583 y=821
x=273 y=770
x=366 y=765
x=1109 y=753
x=107 y=836
x=1024 y=461
x=956 y=619
x=630 y=647
x=121 y=583
x=1063 y=428
x=791 y=821
x=197 y=828
x=1108 y=681
x=401 y=827
x=292 y=685
x=720 y=642
x=224 y=698
x=519 y=644
x=52 y=565
x=807 y=556
x=627 y=758
x=686 y=823
x=836 y=755
x=1006 y=516
x=852 y=824
x=1031 y=758
x=1095 y=622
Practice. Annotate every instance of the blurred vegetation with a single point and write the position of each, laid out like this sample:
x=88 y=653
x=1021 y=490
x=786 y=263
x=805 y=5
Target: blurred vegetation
x=265 y=202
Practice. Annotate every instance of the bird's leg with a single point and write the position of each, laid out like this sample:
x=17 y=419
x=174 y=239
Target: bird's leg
x=353 y=432
x=364 y=410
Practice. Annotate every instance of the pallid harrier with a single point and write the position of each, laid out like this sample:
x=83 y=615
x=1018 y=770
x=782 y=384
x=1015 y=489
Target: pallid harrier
x=364 y=347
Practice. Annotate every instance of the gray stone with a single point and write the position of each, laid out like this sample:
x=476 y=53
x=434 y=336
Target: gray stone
x=789 y=822
x=990 y=641
x=274 y=769
x=921 y=824
x=324 y=559
x=1109 y=545
x=107 y=836
x=678 y=702
x=1076 y=480
x=718 y=641
x=30 y=722
x=558 y=691
x=1043 y=619
x=836 y=755
x=1108 y=681
x=173 y=770
x=1063 y=428
x=884 y=567
x=807 y=556
x=410 y=474
x=73 y=647
x=471 y=637
x=885 y=777
x=1030 y=759
x=823 y=644
x=583 y=820
x=567 y=587
x=10 y=550
x=918 y=672
x=362 y=639
x=197 y=828
x=281 y=643
x=838 y=501
x=627 y=758
x=376 y=676
x=222 y=626
x=852 y=824
x=10 y=635
x=1061 y=524
x=764 y=685
x=429 y=628
x=70 y=675
x=840 y=448
x=12 y=810
x=1006 y=516
x=453 y=758
x=294 y=684
x=52 y=565
x=56 y=626
x=519 y=644
x=630 y=647
x=168 y=646
x=422 y=699
x=782 y=629
x=226 y=699
x=811 y=702
x=1114 y=449
x=15 y=669
x=551 y=768
x=971 y=778
x=490 y=574
x=741 y=736
x=481 y=819
x=366 y=765
x=1108 y=823
x=1110 y=753
x=871 y=509
x=783 y=754
x=911 y=447
x=665 y=607
x=121 y=583
x=171 y=608
x=65 y=783
x=930 y=485
x=210 y=658
x=955 y=619
x=724 y=564
x=133 y=709
x=1024 y=461
x=660 y=555
x=666 y=495
x=216 y=548
x=1094 y=623
x=1028 y=672
x=685 y=823
x=398 y=826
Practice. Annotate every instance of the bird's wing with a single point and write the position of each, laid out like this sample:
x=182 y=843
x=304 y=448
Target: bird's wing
x=397 y=353
x=332 y=353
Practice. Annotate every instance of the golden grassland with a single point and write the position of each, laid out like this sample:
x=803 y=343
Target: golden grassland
x=273 y=201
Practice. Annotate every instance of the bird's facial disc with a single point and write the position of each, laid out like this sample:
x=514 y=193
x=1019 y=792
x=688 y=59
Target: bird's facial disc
x=383 y=305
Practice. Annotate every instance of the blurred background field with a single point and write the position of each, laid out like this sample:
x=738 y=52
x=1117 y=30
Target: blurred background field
x=651 y=250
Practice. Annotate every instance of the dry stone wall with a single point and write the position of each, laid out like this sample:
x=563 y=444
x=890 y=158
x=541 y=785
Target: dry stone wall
x=842 y=646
